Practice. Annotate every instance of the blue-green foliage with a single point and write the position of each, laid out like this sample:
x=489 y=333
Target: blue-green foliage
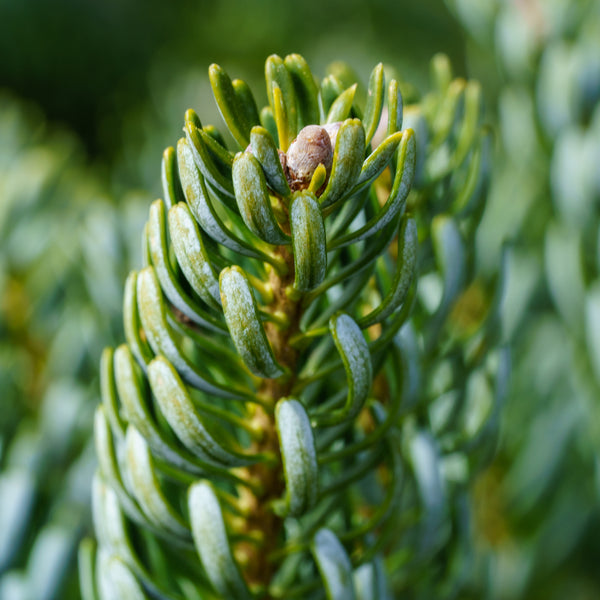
x=60 y=254
x=540 y=500
x=303 y=400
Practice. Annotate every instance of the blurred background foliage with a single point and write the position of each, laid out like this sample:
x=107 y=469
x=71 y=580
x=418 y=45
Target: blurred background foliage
x=65 y=247
x=538 y=503
x=93 y=92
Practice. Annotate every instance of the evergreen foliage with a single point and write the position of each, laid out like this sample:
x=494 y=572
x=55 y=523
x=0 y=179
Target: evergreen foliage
x=539 y=501
x=61 y=253
x=311 y=375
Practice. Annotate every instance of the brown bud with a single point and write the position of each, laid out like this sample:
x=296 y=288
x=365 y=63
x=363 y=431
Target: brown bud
x=332 y=129
x=311 y=148
x=282 y=160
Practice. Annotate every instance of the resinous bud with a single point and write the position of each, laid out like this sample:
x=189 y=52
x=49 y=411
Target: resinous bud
x=310 y=149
